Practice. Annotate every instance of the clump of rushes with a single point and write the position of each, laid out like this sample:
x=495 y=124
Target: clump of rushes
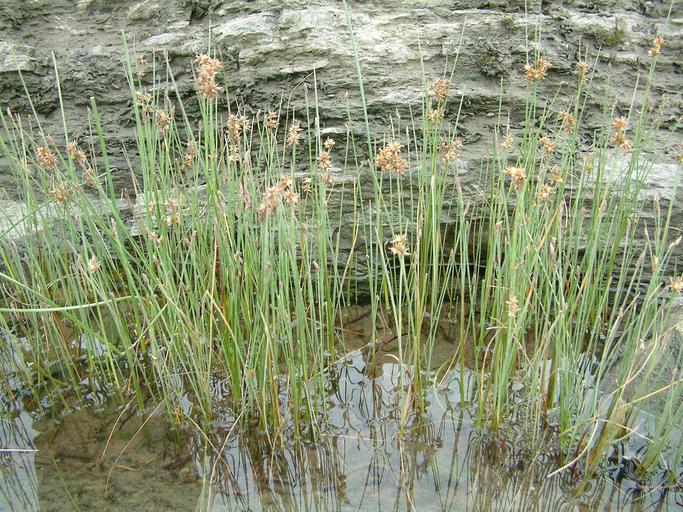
x=229 y=281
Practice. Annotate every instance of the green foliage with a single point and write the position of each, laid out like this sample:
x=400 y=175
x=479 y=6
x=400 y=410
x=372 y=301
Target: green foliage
x=226 y=276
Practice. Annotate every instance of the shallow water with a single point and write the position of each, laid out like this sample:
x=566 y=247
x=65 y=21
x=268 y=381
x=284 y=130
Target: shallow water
x=108 y=458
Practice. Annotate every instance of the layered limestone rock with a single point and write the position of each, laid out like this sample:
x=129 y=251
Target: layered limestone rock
x=277 y=52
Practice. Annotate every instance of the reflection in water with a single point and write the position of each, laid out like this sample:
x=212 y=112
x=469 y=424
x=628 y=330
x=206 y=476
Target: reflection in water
x=18 y=487
x=440 y=462
x=112 y=460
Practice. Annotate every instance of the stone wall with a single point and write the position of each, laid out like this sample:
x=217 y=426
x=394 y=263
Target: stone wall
x=272 y=47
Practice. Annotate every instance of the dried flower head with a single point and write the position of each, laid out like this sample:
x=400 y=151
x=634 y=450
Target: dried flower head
x=513 y=306
x=436 y=115
x=389 y=159
x=508 y=141
x=76 y=153
x=307 y=186
x=326 y=179
x=46 y=158
x=172 y=213
x=440 y=88
x=144 y=100
x=206 y=75
x=93 y=264
x=155 y=237
x=452 y=149
x=329 y=143
x=293 y=134
x=164 y=119
x=537 y=71
x=517 y=174
x=234 y=131
x=324 y=160
x=656 y=46
x=62 y=192
x=91 y=177
x=568 y=121
x=266 y=207
x=399 y=246
x=140 y=65
x=547 y=146
x=190 y=153
x=555 y=174
x=620 y=139
x=285 y=183
x=290 y=197
x=271 y=120
x=620 y=124
x=545 y=193
x=582 y=69
x=208 y=65
x=676 y=284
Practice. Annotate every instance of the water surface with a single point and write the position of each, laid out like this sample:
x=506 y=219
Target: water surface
x=107 y=457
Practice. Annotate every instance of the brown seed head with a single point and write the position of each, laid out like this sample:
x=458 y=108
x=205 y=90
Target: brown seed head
x=206 y=75
x=324 y=160
x=547 y=146
x=568 y=121
x=620 y=139
x=91 y=178
x=290 y=197
x=517 y=174
x=293 y=134
x=513 y=306
x=676 y=284
x=620 y=124
x=582 y=69
x=399 y=246
x=93 y=264
x=545 y=193
x=452 y=149
x=271 y=120
x=656 y=46
x=389 y=159
x=46 y=158
x=285 y=183
x=62 y=192
x=537 y=71
x=191 y=153
x=140 y=65
x=435 y=115
x=75 y=152
x=164 y=119
x=508 y=141
x=440 y=88
x=234 y=131
x=555 y=174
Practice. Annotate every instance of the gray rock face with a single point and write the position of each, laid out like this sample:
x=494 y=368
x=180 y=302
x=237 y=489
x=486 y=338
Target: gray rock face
x=271 y=48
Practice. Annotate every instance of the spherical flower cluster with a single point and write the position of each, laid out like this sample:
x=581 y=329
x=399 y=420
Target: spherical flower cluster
x=389 y=159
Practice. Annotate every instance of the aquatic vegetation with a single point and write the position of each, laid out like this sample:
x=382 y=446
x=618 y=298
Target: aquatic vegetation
x=228 y=273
